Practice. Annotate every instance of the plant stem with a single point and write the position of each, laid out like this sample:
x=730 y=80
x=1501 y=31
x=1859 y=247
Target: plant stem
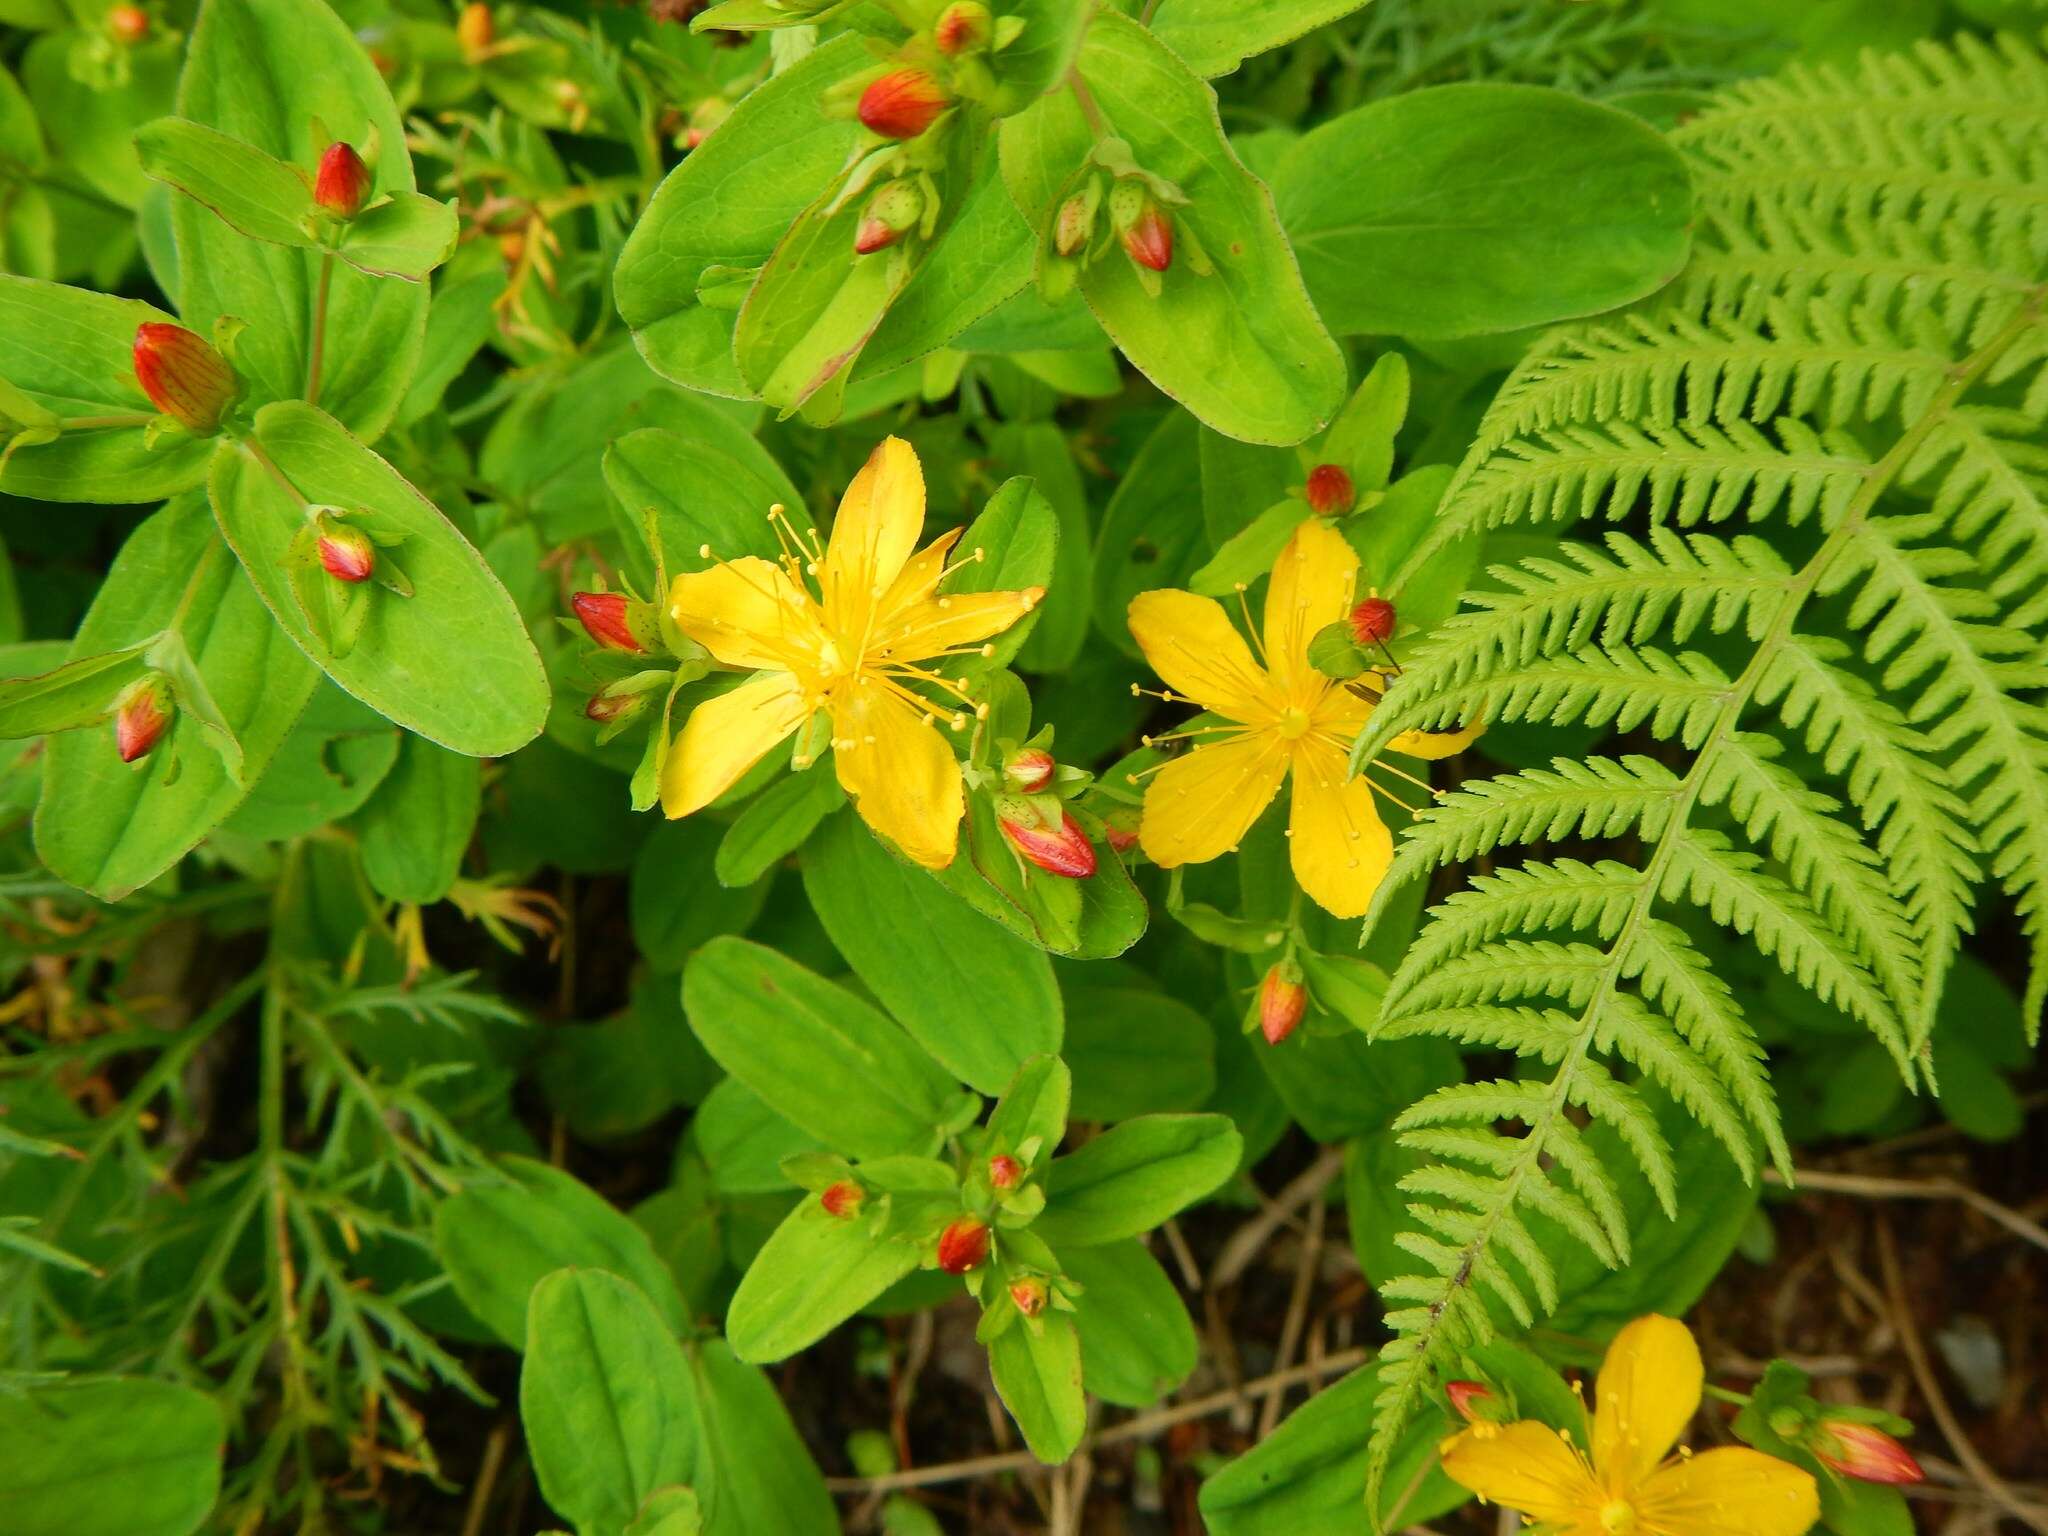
x=317 y=352
x=119 y=419
x=1089 y=109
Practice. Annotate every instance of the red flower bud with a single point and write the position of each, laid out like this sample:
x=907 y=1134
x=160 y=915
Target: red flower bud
x=842 y=1199
x=1473 y=1402
x=141 y=716
x=345 y=554
x=1863 y=1451
x=1149 y=240
x=184 y=377
x=1029 y=769
x=1004 y=1171
x=1029 y=1294
x=1063 y=850
x=342 y=183
x=1372 y=621
x=890 y=214
x=963 y=1245
x=962 y=26
x=607 y=617
x=475 y=29
x=128 y=23
x=901 y=104
x=1282 y=1001
x=1330 y=491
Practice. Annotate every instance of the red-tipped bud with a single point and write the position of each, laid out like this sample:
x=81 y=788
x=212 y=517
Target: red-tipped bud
x=1863 y=1451
x=1149 y=242
x=842 y=1199
x=342 y=183
x=1074 y=225
x=183 y=376
x=129 y=24
x=475 y=29
x=1330 y=491
x=1029 y=769
x=1004 y=1171
x=890 y=214
x=141 y=716
x=1063 y=850
x=1029 y=1295
x=901 y=104
x=963 y=1245
x=609 y=705
x=962 y=27
x=1372 y=621
x=345 y=554
x=1282 y=1001
x=609 y=619
x=1472 y=1401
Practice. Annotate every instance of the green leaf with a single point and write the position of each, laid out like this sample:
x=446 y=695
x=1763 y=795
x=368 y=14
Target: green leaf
x=745 y=1143
x=815 y=1272
x=1131 y=1178
x=1215 y=36
x=110 y=827
x=775 y=824
x=1039 y=449
x=109 y=1457
x=1466 y=209
x=255 y=193
x=754 y=1474
x=674 y=910
x=1136 y=1052
x=716 y=209
x=1148 y=539
x=1018 y=539
x=1033 y=1107
x=452 y=662
x=414 y=830
x=76 y=694
x=700 y=488
x=248 y=74
x=1240 y=346
x=72 y=353
x=1036 y=1363
x=670 y=1512
x=976 y=997
x=1093 y=919
x=1137 y=1341
x=406 y=237
x=334 y=759
x=1248 y=555
x=500 y=1240
x=605 y=1398
x=819 y=1056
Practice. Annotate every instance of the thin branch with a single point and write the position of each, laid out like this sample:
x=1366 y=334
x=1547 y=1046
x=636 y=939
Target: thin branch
x=1873 y=1187
x=1250 y=1240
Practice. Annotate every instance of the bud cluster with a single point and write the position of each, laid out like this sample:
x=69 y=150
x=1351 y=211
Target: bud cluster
x=1115 y=201
x=1031 y=810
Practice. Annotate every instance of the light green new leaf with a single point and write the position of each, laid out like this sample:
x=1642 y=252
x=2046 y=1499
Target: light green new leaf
x=406 y=237
x=452 y=662
x=1131 y=1178
x=1013 y=545
x=817 y=1055
x=78 y=693
x=1039 y=449
x=605 y=1398
x=1248 y=554
x=1036 y=1363
x=255 y=193
x=414 y=830
x=1241 y=346
x=108 y=1457
x=1137 y=1341
x=1466 y=209
x=811 y=1276
x=1215 y=36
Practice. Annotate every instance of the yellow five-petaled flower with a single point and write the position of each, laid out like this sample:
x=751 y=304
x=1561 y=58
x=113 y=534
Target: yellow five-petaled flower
x=1648 y=1391
x=859 y=650
x=1282 y=716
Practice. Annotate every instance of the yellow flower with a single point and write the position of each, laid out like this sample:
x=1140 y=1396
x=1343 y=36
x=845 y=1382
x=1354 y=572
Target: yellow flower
x=853 y=651
x=1283 y=715
x=1648 y=1391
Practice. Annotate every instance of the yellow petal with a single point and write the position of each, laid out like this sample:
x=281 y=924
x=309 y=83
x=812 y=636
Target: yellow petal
x=1194 y=648
x=747 y=613
x=1310 y=587
x=1525 y=1466
x=900 y=771
x=1201 y=805
x=920 y=575
x=959 y=618
x=1337 y=843
x=1435 y=744
x=727 y=735
x=1649 y=1389
x=879 y=520
x=1733 y=1491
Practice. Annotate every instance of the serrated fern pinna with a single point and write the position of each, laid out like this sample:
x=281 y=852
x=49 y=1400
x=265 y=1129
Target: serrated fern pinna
x=1839 y=707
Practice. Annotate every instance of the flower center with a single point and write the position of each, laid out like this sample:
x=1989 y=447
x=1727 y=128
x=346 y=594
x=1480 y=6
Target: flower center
x=1618 y=1517
x=1294 y=724
x=832 y=662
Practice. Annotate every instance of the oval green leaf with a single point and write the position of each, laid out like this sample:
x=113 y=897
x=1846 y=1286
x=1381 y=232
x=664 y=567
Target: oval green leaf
x=1130 y=1179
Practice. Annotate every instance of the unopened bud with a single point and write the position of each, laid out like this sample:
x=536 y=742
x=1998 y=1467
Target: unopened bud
x=1372 y=621
x=1863 y=1451
x=1004 y=1171
x=1120 y=828
x=1063 y=850
x=183 y=376
x=613 y=620
x=890 y=213
x=962 y=27
x=141 y=716
x=475 y=29
x=1029 y=1295
x=1330 y=491
x=842 y=1199
x=963 y=1245
x=345 y=553
x=1472 y=1401
x=1142 y=225
x=129 y=24
x=1282 y=1001
x=1074 y=225
x=902 y=103
x=342 y=183
x=1029 y=769
x=610 y=706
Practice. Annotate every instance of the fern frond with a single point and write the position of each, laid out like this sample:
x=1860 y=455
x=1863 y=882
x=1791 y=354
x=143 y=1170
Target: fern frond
x=1601 y=797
